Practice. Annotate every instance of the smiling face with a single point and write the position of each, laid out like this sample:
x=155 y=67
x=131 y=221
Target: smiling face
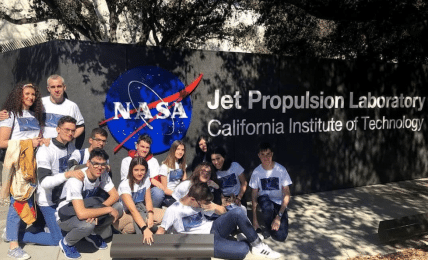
x=203 y=145
x=28 y=97
x=96 y=167
x=217 y=160
x=205 y=174
x=179 y=152
x=143 y=148
x=66 y=132
x=139 y=171
x=56 y=89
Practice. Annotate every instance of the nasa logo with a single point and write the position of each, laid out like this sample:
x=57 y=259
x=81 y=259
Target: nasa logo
x=148 y=100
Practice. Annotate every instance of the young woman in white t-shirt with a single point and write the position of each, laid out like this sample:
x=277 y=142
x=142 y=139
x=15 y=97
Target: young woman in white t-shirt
x=173 y=170
x=25 y=106
x=231 y=176
x=139 y=216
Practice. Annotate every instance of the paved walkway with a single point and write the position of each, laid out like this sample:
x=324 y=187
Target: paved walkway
x=326 y=225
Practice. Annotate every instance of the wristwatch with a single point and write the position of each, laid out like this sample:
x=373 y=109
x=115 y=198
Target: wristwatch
x=280 y=214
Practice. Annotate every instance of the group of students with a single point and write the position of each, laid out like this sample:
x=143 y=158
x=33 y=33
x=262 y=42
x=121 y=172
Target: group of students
x=78 y=199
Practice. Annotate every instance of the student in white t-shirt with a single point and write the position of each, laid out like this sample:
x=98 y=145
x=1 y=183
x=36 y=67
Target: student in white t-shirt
x=231 y=177
x=98 y=139
x=188 y=216
x=173 y=170
x=81 y=213
x=269 y=183
x=143 y=145
x=140 y=216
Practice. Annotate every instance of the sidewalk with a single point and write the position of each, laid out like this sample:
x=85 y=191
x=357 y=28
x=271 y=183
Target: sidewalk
x=326 y=225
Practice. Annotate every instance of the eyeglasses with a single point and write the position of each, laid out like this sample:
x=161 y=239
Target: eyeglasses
x=102 y=165
x=69 y=130
x=100 y=140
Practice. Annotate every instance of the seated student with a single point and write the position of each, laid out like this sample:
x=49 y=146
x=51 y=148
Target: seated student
x=136 y=199
x=231 y=176
x=188 y=216
x=83 y=215
x=202 y=150
x=52 y=164
x=269 y=183
x=143 y=150
x=173 y=170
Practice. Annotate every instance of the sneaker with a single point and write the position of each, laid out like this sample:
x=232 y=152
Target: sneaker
x=97 y=241
x=264 y=250
x=18 y=253
x=3 y=236
x=70 y=252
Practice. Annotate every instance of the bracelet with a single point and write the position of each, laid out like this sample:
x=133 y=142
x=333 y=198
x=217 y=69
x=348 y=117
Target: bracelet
x=143 y=228
x=150 y=211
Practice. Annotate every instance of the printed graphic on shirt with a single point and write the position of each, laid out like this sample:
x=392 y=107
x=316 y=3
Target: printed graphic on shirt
x=139 y=196
x=52 y=119
x=270 y=183
x=192 y=221
x=90 y=193
x=229 y=181
x=28 y=124
x=62 y=163
x=175 y=175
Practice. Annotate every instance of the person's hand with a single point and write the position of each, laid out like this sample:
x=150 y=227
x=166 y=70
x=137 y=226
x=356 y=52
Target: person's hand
x=4 y=115
x=92 y=220
x=211 y=183
x=46 y=141
x=78 y=174
x=148 y=236
x=238 y=201
x=276 y=223
x=114 y=214
x=36 y=141
x=209 y=207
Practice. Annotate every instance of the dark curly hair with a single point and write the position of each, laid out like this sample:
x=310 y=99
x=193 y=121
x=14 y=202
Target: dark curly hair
x=13 y=103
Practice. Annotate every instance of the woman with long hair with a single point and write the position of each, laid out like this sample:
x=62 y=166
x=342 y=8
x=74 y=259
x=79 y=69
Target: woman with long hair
x=25 y=122
x=204 y=172
x=202 y=150
x=173 y=170
x=139 y=216
x=231 y=176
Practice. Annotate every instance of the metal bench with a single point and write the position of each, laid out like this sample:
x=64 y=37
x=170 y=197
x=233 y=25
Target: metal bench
x=164 y=246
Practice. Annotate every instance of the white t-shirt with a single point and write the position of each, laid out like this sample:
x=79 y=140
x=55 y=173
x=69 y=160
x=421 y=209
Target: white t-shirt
x=55 y=111
x=124 y=168
x=24 y=127
x=173 y=176
x=138 y=194
x=55 y=159
x=270 y=182
x=230 y=183
x=75 y=189
x=181 y=190
x=186 y=219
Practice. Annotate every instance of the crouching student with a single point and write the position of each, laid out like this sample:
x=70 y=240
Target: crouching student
x=82 y=214
x=140 y=216
x=188 y=216
x=269 y=183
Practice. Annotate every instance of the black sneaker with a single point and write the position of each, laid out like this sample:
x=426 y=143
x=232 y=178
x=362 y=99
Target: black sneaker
x=97 y=241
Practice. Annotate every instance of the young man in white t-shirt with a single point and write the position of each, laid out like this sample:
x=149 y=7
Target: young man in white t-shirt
x=82 y=214
x=187 y=216
x=53 y=162
x=143 y=145
x=98 y=139
x=269 y=183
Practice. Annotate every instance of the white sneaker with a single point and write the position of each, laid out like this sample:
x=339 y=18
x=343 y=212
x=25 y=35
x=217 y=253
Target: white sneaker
x=264 y=250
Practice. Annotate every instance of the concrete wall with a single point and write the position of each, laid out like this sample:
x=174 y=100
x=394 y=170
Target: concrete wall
x=315 y=160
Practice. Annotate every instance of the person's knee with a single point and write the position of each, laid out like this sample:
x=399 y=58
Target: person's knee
x=280 y=236
x=86 y=227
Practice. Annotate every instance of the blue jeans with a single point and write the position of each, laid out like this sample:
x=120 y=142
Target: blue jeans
x=15 y=228
x=226 y=224
x=269 y=211
x=157 y=196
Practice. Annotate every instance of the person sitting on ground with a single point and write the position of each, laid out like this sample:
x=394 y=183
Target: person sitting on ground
x=187 y=216
x=136 y=199
x=269 y=183
x=173 y=170
x=82 y=214
x=143 y=150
